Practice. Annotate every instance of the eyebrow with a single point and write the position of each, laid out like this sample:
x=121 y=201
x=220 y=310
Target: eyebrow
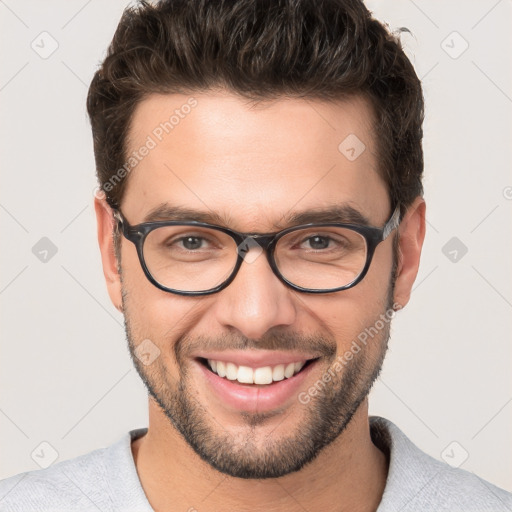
x=342 y=214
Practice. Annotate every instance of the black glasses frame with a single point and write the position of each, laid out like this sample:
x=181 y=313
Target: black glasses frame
x=373 y=236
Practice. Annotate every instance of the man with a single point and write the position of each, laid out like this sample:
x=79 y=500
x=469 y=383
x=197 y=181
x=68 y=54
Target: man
x=260 y=209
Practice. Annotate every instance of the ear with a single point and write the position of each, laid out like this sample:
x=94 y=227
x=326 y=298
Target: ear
x=106 y=224
x=412 y=234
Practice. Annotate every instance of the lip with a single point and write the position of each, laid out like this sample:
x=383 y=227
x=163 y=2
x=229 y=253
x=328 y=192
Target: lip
x=254 y=397
x=257 y=358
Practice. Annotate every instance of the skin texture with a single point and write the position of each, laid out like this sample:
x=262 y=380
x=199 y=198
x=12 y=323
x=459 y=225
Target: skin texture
x=252 y=164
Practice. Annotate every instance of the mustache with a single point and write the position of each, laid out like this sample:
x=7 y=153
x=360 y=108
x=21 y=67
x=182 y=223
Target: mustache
x=319 y=344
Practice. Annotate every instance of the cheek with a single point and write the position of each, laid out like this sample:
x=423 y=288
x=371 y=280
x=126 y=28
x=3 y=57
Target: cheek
x=347 y=314
x=153 y=314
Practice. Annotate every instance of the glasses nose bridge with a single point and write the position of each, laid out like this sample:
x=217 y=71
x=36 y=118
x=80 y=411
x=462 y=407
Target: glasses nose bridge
x=247 y=241
x=261 y=242
x=264 y=241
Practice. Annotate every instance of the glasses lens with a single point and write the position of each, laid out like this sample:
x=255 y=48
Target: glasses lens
x=321 y=258
x=189 y=258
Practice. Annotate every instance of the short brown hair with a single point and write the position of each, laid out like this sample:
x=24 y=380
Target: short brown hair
x=259 y=49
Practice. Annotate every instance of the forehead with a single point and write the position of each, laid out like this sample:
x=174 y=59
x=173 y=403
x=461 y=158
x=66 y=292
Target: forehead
x=252 y=163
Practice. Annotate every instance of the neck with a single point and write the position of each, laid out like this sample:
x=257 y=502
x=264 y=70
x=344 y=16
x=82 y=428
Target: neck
x=348 y=475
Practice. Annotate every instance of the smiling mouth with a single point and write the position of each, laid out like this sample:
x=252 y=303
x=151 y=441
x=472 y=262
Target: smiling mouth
x=263 y=376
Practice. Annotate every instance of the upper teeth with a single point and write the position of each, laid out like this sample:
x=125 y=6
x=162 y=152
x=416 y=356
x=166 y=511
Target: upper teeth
x=247 y=375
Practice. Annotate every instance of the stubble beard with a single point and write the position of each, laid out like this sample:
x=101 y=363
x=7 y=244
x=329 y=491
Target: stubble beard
x=249 y=453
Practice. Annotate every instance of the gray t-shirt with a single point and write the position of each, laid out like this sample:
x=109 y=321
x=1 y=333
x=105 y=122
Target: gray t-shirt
x=106 y=480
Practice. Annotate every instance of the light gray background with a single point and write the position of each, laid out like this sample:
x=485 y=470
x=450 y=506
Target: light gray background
x=66 y=377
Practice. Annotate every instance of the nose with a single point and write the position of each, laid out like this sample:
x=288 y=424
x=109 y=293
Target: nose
x=256 y=300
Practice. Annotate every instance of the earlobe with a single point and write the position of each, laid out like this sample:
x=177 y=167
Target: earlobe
x=412 y=235
x=105 y=227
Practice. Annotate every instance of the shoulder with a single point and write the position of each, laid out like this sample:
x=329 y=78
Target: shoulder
x=79 y=481
x=86 y=483
x=417 y=481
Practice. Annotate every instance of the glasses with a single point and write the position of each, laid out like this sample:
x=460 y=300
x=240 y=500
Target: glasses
x=195 y=258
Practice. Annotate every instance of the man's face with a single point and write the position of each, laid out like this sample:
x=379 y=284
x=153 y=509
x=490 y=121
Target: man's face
x=253 y=166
